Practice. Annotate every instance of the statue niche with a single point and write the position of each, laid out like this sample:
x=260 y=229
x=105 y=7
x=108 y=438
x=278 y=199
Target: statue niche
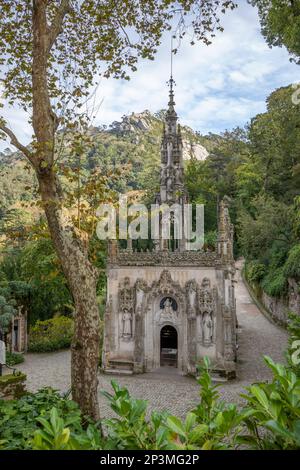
x=127 y=324
x=126 y=304
x=168 y=310
x=140 y=290
x=207 y=329
x=207 y=310
x=191 y=293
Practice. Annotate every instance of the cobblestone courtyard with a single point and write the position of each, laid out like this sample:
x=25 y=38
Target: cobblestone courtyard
x=166 y=388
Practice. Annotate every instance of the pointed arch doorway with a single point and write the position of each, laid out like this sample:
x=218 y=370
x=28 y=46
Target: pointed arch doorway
x=168 y=346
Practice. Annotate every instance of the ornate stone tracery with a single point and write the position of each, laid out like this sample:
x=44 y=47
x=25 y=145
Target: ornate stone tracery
x=190 y=291
x=126 y=309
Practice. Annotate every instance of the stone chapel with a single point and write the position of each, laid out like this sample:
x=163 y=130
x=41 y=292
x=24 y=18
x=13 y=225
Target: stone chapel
x=171 y=306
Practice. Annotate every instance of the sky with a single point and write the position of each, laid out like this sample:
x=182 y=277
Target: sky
x=218 y=87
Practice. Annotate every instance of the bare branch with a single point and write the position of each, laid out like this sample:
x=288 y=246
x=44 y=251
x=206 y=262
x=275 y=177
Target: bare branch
x=56 y=27
x=15 y=142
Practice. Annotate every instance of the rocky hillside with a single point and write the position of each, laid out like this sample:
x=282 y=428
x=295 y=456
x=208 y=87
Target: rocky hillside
x=133 y=142
x=147 y=123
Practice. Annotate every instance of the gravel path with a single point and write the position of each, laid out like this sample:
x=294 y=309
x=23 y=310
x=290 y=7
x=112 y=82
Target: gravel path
x=166 y=388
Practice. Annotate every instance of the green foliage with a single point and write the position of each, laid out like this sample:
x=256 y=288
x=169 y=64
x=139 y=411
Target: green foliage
x=293 y=355
x=275 y=283
x=38 y=421
x=270 y=222
x=50 y=335
x=7 y=309
x=269 y=419
x=220 y=422
x=255 y=271
x=56 y=433
x=41 y=268
x=210 y=240
x=131 y=430
x=13 y=358
x=292 y=264
x=90 y=35
x=274 y=411
x=34 y=278
x=211 y=425
x=280 y=24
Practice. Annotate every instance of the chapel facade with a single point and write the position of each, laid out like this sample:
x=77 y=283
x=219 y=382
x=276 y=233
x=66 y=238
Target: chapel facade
x=171 y=306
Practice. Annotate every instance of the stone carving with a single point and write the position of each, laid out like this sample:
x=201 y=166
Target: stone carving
x=178 y=175
x=127 y=324
x=126 y=295
x=206 y=297
x=140 y=290
x=165 y=286
x=107 y=329
x=126 y=305
x=167 y=313
x=193 y=304
x=225 y=231
x=139 y=342
x=191 y=292
x=207 y=309
x=168 y=258
x=207 y=328
x=192 y=344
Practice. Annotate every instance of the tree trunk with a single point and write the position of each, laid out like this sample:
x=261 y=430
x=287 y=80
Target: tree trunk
x=71 y=250
x=82 y=281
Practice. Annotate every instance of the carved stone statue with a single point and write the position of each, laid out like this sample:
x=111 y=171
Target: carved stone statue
x=127 y=324
x=140 y=289
x=178 y=175
x=167 y=312
x=207 y=328
x=191 y=290
x=168 y=308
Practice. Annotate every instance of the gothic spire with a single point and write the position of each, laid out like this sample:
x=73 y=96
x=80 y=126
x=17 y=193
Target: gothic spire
x=171 y=116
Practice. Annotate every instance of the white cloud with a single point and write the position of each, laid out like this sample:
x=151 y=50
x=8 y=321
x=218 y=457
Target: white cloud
x=218 y=87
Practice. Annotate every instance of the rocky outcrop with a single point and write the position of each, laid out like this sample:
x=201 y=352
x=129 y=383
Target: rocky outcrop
x=133 y=122
x=137 y=123
x=194 y=150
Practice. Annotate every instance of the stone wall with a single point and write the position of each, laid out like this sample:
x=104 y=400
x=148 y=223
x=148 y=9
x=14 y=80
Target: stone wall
x=278 y=307
x=12 y=386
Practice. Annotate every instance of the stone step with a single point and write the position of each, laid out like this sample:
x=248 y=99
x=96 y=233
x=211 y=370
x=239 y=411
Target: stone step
x=111 y=371
x=218 y=379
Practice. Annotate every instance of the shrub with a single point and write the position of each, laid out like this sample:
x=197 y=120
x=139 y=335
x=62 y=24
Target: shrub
x=270 y=420
x=292 y=264
x=23 y=423
x=13 y=358
x=51 y=335
x=274 y=411
x=255 y=271
x=275 y=283
x=210 y=240
x=293 y=328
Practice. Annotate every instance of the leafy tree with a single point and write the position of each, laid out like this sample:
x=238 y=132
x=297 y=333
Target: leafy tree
x=275 y=145
x=7 y=310
x=269 y=223
x=50 y=53
x=280 y=23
